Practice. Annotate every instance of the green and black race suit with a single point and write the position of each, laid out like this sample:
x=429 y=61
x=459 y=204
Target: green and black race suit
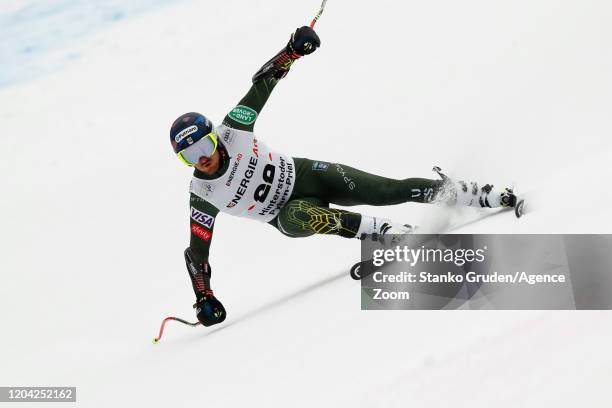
x=292 y=194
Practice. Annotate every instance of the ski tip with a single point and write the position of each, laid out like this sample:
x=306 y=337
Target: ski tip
x=519 y=208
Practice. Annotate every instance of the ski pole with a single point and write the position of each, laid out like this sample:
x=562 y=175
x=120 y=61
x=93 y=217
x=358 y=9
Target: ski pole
x=163 y=325
x=316 y=18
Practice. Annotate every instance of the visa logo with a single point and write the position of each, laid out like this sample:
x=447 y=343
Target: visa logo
x=202 y=218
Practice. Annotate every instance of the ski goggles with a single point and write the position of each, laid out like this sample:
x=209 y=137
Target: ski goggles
x=206 y=146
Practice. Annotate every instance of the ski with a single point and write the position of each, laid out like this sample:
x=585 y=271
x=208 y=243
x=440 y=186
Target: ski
x=520 y=208
x=365 y=268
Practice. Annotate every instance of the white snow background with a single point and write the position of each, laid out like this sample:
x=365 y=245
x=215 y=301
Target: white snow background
x=94 y=208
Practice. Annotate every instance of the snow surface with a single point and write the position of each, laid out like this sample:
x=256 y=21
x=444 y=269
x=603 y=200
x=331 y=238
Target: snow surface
x=95 y=213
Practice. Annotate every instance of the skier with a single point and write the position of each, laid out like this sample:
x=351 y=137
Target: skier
x=238 y=174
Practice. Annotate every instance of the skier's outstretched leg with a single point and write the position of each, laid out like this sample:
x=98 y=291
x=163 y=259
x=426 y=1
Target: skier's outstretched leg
x=320 y=183
x=344 y=185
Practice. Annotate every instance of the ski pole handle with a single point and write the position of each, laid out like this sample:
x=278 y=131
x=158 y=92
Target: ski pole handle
x=316 y=18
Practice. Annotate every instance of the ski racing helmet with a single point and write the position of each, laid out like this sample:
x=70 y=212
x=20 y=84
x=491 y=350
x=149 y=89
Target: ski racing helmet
x=192 y=136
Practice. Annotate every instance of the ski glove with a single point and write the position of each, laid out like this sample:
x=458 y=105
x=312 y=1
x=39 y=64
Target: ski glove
x=303 y=42
x=208 y=308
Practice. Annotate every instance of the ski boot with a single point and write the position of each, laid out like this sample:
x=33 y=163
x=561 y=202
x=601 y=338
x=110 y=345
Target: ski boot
x=381 y=230
x=462 y=194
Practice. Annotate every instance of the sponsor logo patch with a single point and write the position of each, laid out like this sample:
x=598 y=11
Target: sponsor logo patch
x=202 y=218
x=185 y=132
x=234 y=169
x=243 y=114
x=202 y=189
x=201 y=232
x=244 y=183
x=320 y=166
x=208 y=189
x=255 y=148
x=228 y=137
x=347 y=180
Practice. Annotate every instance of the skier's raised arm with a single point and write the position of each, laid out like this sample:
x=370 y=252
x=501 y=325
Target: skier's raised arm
x=303 y=42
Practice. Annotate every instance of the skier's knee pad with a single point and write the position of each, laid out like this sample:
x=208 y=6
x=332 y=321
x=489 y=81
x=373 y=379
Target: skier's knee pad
x=294 y=219
x=302 y=218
